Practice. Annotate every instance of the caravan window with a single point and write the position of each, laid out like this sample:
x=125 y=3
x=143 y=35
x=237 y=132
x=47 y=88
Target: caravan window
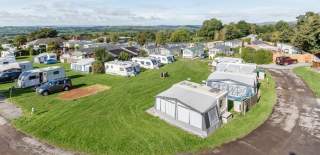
x=107 y=66
x=142 y=62
x=154 y=62
x=56 y=72
x=121 y=69
x=6 y=62
x=164 y=59
x=129 y=69
x=32 y=77
x=148 y=63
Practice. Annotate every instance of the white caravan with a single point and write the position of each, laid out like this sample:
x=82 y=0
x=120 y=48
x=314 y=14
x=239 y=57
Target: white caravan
x=147 y=62
x=122 y=68
x=7 y=60
x=84 y=65
x=43 y=57
x=38 y=76
x=25 y=65
x=218 y=60
x=164 y=59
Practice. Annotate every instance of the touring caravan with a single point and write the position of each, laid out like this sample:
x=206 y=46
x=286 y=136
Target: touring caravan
x=84 y=65
x=7 y=60
x=147 y=62
x=122 y=68
x=163 y=59
x=47 y=58
x=35 y=77
x=25 y=65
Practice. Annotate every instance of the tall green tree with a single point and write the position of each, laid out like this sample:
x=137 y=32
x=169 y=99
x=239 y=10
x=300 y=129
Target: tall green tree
x=19 y=40
x=43 y=33
x=141 y=38
x=244 y=28
x=161 y=38
x=102 y=55
x=231 y=31
x=307 y=32
x=114 y=37
x=210 y=27
x=180 y=35
x=124 y=56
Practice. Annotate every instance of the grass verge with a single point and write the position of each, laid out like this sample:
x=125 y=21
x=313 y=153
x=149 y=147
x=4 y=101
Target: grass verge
x=311 y=77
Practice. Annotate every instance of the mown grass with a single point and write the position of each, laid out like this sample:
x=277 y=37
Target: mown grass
x=311 y=77
x=115 y=121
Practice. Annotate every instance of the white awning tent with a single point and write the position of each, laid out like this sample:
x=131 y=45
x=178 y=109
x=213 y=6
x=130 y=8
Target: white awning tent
x=192 y=107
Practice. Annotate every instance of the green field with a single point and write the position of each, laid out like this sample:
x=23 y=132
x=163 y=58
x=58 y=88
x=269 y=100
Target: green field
x=311 y=77
x=115 y=121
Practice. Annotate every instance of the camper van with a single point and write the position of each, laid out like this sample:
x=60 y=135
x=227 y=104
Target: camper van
x=7 y=60
x=163 y=59
x=38 y=76
x=122 y=68
x=46 y=58
x=147 y=62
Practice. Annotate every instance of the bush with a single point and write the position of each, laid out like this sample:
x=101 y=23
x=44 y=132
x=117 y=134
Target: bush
x=251 y=55
x=98 y=67
x=124 y=56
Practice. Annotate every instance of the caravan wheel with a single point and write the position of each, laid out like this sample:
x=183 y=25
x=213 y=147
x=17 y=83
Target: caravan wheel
x=66 y=88
x=46 y=93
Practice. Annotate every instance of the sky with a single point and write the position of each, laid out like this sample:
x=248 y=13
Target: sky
x=148 y=12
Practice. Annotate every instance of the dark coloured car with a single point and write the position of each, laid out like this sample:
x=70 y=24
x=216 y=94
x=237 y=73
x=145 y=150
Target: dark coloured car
x=54 y=86
x=9 y=75
x=285 y=61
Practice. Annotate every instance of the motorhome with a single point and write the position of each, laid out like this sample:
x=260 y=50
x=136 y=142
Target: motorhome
x=147 y=62
x=38 y=76
x=122 y=68
x=7 y=60
x=47 y=58
x=164 y=59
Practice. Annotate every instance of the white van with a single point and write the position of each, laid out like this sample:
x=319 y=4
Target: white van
x=163 y=59
x=122 y=68
x=38 y=76
x=147 y=62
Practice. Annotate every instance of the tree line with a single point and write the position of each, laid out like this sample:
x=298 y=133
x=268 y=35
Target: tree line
x=304 y=33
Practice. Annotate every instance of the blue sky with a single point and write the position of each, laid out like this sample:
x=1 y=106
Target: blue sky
x=148 y=12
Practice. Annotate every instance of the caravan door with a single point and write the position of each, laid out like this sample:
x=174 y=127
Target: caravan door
x=44 y=77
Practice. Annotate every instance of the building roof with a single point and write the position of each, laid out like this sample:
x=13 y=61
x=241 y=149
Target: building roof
x=121 y=63
x=46 y=41
x=222 y=47
x=228 y=60
x=196 y=96
x=246 y=79
x=237 y=68
x=85 y=61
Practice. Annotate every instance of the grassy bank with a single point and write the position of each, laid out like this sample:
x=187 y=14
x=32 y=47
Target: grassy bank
x=115 y=121
x=311 y=77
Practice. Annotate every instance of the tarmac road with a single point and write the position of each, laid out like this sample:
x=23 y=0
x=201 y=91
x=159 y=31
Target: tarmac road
x=292 y=129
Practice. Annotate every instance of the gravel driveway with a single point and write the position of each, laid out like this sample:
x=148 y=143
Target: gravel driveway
x=292 y=129
x=13 y=142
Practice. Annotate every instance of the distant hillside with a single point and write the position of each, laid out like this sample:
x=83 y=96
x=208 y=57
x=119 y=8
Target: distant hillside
x=14 y=30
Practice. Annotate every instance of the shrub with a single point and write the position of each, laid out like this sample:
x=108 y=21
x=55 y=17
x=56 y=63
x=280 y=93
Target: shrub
x=98 y=67
x=124 y=56
x=251 y=55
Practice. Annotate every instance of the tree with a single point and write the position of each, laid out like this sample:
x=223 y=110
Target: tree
x=209 y=27
x=19 y=40
x=43 y=33
x=161 y=38
x=102 y=55
x=141 y=38
x=180 y=35
x=124 y=56
x=231 y=31
x=281 y=25
x=114 y=37
x=244 y=28
x=307 y=32
x=53 y=46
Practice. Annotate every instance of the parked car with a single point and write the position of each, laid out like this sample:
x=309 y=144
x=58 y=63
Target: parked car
x=54 y=86
x=9 y=75
x=50 y=61
x=285 y=61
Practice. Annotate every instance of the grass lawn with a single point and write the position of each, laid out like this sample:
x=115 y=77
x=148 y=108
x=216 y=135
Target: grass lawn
x=311 y=77
x=115 y=121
